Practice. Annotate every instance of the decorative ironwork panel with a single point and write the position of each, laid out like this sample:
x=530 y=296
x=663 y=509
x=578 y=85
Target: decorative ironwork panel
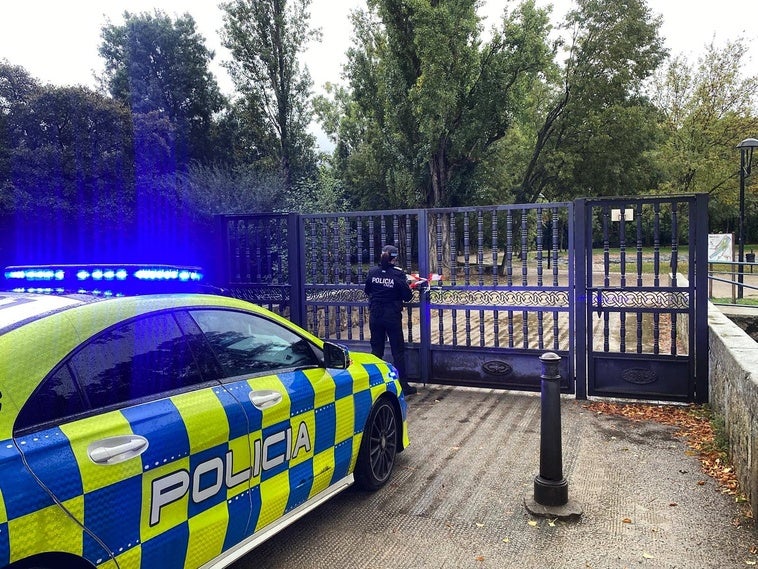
x=487 y=298
x=642 y=299
x=335 y=295
x=274 y=298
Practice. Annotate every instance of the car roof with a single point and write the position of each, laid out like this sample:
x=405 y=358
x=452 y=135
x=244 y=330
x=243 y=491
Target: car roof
x=17 y=308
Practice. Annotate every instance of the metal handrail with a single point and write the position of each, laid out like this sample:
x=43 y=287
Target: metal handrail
x=735 y=273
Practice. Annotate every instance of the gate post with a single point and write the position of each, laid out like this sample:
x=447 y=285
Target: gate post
x=220 y=275
x=582 y=227
x=550 y=487
x=425 y=311
x=296 y=268
x=699 y=235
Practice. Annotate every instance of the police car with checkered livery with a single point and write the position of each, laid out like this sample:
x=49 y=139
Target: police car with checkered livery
x=172 y=430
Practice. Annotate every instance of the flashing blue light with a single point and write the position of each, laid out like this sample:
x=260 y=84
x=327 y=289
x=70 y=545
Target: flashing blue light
x=167 y=274
x=117 y=275
x=35 y=274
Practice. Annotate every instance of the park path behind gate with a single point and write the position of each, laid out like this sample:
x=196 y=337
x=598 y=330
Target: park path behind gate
x=504 y=287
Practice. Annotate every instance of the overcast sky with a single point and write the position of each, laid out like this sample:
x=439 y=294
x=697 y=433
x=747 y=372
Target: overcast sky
x=57 y=40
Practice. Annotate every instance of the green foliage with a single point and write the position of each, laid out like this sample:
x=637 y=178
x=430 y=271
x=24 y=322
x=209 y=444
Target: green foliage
x=206 y=191
x=17 y=87
x=160 y=67
x=266 y=39
x=428 y=98
x=599 y=132
x=66 y=173
x=706 y=110
x=69 y=155
x=433 y=113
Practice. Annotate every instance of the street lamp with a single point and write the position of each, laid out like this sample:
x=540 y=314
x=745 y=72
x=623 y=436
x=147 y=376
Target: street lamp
x=746 y=161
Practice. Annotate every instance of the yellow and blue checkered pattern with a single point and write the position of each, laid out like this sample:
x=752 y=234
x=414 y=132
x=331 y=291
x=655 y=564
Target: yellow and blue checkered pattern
x=216 y=470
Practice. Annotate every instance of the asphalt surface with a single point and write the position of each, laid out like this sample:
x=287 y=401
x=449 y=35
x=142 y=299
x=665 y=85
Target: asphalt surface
x=456 y=499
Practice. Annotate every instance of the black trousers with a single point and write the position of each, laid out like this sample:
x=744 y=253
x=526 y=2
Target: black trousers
x=383 y=325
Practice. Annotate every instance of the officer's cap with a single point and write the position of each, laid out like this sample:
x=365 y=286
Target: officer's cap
x=391 y=250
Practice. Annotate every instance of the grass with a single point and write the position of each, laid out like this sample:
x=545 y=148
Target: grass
x=738 y=301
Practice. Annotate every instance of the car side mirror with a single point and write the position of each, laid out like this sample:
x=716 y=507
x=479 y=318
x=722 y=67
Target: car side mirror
x=336 y=356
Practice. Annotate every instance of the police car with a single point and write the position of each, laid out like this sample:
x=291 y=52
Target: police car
x=172 y=430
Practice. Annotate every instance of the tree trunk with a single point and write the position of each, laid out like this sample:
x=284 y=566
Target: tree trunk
x=439 y=171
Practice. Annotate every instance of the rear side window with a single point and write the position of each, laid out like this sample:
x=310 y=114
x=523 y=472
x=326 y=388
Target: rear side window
x=138 y=359
x=57 y=397
x=247 y=343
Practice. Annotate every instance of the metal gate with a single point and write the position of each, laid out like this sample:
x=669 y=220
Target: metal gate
x=642 y=292
x=504 y=287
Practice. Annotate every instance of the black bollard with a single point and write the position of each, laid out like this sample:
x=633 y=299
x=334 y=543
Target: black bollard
x=550 y=487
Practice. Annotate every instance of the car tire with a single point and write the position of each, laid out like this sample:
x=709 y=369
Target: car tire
x=376 y=457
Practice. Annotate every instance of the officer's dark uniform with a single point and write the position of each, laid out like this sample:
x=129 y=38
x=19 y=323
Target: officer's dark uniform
x=387 y=288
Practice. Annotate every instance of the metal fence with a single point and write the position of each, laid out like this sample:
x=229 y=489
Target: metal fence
x=506 y=284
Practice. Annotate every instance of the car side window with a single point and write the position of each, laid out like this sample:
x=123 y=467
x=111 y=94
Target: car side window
x=247 y=343
x=57 y=397
x=140 y=358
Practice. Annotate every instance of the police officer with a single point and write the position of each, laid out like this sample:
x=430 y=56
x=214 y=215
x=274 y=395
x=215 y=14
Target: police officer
x=387 y=288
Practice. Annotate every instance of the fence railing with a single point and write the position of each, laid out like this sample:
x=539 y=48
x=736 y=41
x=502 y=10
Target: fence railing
x=734 y=281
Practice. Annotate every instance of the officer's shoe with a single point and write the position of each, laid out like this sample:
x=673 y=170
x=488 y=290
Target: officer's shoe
x=408 y=389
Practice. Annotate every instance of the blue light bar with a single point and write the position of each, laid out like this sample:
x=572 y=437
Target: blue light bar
x=35 y=274
x=103 y=279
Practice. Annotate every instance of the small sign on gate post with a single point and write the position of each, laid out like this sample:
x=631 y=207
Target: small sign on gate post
x=625 y=214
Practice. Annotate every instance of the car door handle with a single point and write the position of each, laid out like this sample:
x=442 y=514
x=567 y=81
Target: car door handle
x=265 y=398
x=117 y=449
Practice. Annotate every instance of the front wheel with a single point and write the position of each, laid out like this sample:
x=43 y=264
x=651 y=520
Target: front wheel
x=378 y=447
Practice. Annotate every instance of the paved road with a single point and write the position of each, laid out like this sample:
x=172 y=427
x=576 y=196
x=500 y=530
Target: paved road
x=456 y=500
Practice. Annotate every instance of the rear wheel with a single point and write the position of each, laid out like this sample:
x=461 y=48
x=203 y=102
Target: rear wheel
x=376 y=457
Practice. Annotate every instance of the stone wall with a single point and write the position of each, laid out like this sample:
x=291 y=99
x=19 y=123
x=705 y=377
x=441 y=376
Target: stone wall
x=749 y=323
x=733 y=378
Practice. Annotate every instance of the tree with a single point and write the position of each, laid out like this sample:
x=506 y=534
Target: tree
x=599 y=131
x=156 y=65
x=68 y=183
x=265 y=38
x=430 y=98
x=706 y=109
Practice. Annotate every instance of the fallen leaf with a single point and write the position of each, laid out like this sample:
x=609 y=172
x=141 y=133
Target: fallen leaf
x=646 y=555
x=479 y=525
x=693 y=423
x=532 y=523
x=701 y=482
x=673 y=504
x=551 y=523
x=479 y=557
x=506 y=540
x=626 y=521
x=750 y=562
